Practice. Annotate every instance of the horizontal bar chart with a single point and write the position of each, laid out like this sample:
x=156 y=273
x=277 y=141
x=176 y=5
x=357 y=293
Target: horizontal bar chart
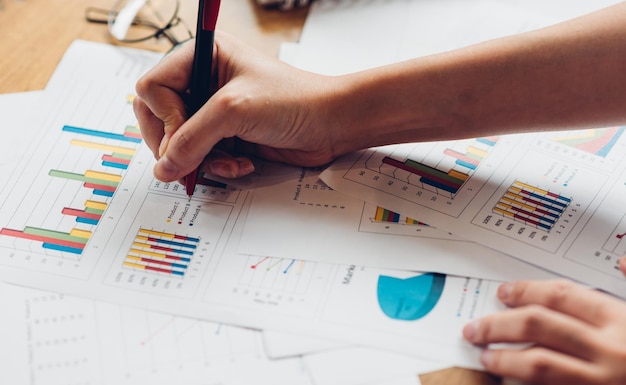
x=161 y=252
x=534 y=206
x=448 y=170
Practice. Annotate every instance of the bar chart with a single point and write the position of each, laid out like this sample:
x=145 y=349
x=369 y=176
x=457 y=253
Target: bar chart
x=531 y=205
x=88 y=174
x=443 y=172
x=161 y=252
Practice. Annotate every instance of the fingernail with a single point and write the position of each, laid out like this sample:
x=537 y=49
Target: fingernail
x=504 y=291
x=469 y=331
x=223 y=168
x=245 y=166
x=486 y=357
x=167 y=170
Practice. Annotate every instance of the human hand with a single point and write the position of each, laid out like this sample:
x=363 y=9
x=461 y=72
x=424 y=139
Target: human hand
x=577 y=334
x=276 y=111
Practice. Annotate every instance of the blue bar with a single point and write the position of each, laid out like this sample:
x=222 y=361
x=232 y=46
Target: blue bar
x=486 y=141
x=66 y=249
x=465 y=164
x=549 y=200
x=181 y=273
x=115 y=165
x=439 y=185
x=103 y=193
x=100 y=134
x=179 y=266
x=87 y=221
x=174 y=243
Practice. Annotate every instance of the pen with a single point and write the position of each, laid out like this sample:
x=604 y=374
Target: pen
x=200 y=85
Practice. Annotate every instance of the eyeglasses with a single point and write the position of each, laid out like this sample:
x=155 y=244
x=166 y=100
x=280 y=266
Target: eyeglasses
x=134 y=21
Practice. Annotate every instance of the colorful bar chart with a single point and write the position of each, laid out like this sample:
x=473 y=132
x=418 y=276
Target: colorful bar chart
x=438 y=174
x=534 y=206
x=97 y=184
x=71 y=242
x=384 y=215
x=161 y=252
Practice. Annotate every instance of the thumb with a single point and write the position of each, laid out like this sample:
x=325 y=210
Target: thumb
x=622 y=265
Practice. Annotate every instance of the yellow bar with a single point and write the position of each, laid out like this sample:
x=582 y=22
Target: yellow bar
x=145 y=252
x=476 y=151
x=535 y=189
x=95 y=205
x=103 y=176
x=135 y=265
x=458 y=175
x=503 y=212
x=80 y=233
x=130 y=98
x=158 y=233
x=379 y=214
x=509 y=200
x=102 y=146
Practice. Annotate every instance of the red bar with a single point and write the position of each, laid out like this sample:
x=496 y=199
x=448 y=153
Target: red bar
x=158 y=269
x=21 y=234
x=459 y=156
x=112 y=159
x=99 y=187
x=80 y=213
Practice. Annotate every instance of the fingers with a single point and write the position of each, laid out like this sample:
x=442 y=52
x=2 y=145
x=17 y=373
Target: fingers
x=160 y=98
x=562 y=296
x=151 y=126
x=622 y=265
x=538 y=365
x=534 y=324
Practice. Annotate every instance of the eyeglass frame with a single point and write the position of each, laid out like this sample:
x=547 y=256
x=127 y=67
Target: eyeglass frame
x=92 y=12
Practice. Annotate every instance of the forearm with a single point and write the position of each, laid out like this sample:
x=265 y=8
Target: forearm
x=571 y=75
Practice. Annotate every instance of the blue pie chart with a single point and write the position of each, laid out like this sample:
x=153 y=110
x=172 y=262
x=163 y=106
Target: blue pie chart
x=409 y=299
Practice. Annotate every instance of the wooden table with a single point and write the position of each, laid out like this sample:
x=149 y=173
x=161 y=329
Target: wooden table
x=36 y=33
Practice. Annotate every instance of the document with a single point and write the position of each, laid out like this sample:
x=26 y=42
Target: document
x=84 y=216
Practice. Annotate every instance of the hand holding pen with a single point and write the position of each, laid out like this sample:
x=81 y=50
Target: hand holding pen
x=200 y=85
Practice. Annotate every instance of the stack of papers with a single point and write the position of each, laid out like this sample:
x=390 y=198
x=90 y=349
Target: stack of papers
x=110 y=276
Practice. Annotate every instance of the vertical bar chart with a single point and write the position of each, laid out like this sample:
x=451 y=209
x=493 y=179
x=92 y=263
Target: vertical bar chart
x=384 y=215
x=534 y=206
x=161 y=252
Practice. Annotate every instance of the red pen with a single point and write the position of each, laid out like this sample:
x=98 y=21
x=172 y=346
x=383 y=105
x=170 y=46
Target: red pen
x=200 y=85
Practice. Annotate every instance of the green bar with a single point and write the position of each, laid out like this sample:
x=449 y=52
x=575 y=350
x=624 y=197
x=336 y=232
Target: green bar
x=433 y=171
x=80 y=177
x=122 y=156
x=132 y=129
x=93 y=211
x=53 y=234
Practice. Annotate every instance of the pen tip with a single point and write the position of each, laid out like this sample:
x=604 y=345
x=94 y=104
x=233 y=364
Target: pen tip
x=188 y=198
